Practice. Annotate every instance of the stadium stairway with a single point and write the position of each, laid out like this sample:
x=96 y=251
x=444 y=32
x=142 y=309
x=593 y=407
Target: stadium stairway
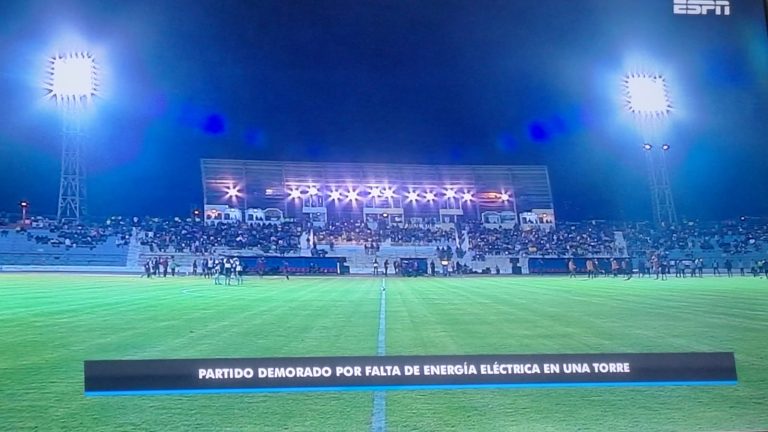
x=361 y=262
x=134 y=251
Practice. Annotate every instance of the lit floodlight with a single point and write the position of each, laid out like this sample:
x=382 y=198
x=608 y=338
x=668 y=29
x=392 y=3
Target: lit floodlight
x=389 y=193
x=646 y=95
x=72 y=77
x=294 y=194
x=232 y=192
x=411 y=196
x=504 y=196
x=375 y=192
x=665 y=147
x=466 y=196
x=352 y=195
x=429 y=196
x=312 y=190
x=647 y=147
x=450 y=193
x=334 y=195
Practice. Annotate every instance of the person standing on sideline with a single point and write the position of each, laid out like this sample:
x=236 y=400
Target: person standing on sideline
x=285 y=270
x=628 y=268
x=741 y=267
x=386 y=267
x=571 y=268
x=375 y=266
x=729 y=268
x=238 y=271
x=590 y=268
x=716 y=268
x=148 y=269
x=228 y=271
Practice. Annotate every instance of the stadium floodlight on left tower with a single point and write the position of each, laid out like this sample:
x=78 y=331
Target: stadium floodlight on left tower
x=72 y=82
x=646 y=97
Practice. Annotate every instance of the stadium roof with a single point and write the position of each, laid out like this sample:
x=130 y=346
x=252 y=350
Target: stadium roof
x=272 y=180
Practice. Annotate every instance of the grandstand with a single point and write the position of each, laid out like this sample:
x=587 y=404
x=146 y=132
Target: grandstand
x=396 y=193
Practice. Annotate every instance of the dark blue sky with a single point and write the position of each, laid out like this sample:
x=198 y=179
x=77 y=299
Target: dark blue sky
x=500 y=82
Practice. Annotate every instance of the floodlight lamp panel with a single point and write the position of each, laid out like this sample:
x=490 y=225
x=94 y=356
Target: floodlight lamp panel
x=647 y=95
x=72 y=77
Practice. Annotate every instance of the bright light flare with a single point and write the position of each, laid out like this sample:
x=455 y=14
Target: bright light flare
x=411 y=196
x=450 y=193
x=352 y=195
x=647 y=147
x=646 y=95
x=312 y=190
x=388 y=193
x=429 y=196
x=73 y=77
x=334 y=195
x=504 y=196
x=232 y=192
x=466 y=196
x=294 y=194
x=375 y=192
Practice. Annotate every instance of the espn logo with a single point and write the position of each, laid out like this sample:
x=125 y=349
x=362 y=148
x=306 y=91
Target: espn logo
x=702 y=7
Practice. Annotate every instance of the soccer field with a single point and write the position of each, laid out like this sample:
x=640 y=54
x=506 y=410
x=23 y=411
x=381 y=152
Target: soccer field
x=50 y=323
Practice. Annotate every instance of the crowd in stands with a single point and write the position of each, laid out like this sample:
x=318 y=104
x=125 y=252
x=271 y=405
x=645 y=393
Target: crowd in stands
x=578 y=240
x=372 y=235
x=740 y=237
x=167 y=236
x=177 y=235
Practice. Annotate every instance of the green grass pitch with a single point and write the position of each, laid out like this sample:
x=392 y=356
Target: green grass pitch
x=49 y=324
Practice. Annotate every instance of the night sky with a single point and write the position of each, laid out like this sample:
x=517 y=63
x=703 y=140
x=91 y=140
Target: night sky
x=444 y=82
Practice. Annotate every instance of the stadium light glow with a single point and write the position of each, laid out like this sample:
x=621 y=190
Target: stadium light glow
x=375 y=192
x=294 y=194
x=411 y=196
x=232 y=192
x=646 y=95
x=665 y=147
x=647 y=147
x=352 y=195
x=389 y=193
x=334 y=195
x=466 y=196
x=450 y=193
x=429 y=196
x=504 y=196
x=72 y=77
x=312 y=190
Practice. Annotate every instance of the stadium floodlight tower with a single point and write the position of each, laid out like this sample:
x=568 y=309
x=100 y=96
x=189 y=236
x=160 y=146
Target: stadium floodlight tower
x=72 y=81
x=646 y=97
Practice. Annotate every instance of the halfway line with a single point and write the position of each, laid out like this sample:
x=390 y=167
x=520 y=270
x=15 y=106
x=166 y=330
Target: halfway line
x=379 y=417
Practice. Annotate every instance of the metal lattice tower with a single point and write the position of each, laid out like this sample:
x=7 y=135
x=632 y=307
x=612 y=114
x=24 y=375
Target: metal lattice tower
x=72 y=83
x=72 y=187
x=662 y=202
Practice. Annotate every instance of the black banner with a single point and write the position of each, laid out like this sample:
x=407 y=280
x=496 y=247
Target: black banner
x=116 y=377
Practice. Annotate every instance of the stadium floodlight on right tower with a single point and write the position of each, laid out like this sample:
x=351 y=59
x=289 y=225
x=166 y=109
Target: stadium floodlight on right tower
x=646 y=97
